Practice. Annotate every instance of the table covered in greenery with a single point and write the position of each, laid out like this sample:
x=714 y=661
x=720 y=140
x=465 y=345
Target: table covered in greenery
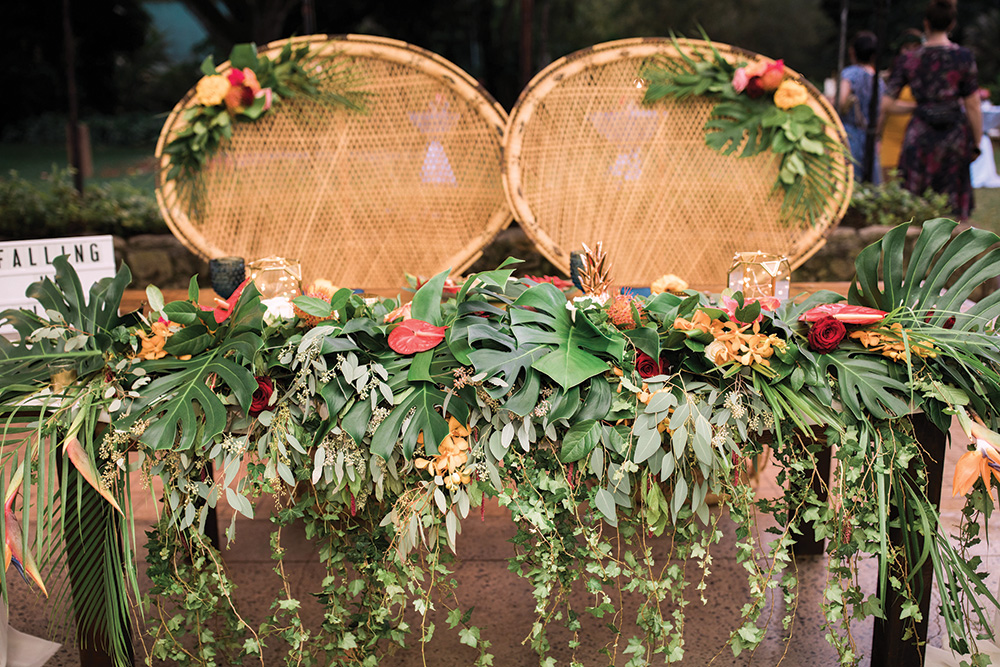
x=596 y=421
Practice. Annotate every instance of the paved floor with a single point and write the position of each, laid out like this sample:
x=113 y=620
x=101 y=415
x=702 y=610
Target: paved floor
x=503 y=602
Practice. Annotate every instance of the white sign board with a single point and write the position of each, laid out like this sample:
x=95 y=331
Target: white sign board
x=26 y=262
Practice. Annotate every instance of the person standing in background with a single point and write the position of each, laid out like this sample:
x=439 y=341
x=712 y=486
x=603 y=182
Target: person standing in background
x=942 y=139
x=892 y=126
x=856 y=82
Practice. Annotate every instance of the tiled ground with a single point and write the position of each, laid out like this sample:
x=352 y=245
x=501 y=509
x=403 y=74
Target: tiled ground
x=504 y=603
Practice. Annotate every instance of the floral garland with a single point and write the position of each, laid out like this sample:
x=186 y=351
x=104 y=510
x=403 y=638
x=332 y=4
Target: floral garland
x=252 y=87
x=760 y=107
x=597 y=422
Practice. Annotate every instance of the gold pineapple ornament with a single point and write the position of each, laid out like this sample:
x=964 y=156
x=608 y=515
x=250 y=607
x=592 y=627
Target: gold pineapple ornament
x=595 y=272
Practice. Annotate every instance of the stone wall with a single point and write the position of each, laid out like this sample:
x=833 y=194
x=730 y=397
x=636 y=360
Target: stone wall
x=163 y=261
x=835 y=260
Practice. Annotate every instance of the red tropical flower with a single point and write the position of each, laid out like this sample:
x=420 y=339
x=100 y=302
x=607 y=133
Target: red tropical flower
x=413 y=336
x=844 y=312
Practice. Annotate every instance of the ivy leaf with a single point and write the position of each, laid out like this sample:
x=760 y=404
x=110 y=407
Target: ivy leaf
x=208 y=66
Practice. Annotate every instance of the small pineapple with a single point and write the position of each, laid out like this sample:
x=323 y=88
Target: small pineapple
x=595 y=272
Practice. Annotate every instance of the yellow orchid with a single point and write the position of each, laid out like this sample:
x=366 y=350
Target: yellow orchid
x=982 y=462
x=453 y=453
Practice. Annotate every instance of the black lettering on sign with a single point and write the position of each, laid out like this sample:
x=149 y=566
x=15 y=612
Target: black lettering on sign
x=95 y=255
x=78 y=253
x=31 y=257
x=17 y=258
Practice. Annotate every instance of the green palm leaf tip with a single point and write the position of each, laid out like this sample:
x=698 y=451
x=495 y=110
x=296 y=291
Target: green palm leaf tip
x=928 y=286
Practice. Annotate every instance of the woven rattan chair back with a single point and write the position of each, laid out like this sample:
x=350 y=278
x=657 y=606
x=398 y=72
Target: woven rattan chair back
x=586 y=160
x=412 y=184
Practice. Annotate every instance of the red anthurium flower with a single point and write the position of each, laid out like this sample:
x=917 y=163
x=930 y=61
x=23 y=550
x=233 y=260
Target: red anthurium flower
x=413 y=336
x=450 y=288
x=844 y=312
x=224 y=309
x=560 y=283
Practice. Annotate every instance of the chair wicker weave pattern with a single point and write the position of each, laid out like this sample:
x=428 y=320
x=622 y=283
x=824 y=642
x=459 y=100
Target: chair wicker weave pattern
x=412 y=184
x=587 y=161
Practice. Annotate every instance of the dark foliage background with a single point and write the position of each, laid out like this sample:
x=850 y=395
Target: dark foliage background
x=121 y=63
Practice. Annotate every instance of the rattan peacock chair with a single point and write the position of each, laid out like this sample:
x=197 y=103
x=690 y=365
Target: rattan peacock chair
x=586 y=160
x=412 y=183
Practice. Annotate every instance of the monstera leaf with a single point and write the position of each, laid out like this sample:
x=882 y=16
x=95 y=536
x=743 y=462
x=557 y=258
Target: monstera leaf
x=735 y=125
x=937 y=280
x=172 y=401
x=87 y=323
x=540 y=317
x=504 y=361
x=424 y=401
x=867 y=385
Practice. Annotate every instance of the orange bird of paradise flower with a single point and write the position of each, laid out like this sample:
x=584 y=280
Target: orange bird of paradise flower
x=982 y=462
x=14 y=550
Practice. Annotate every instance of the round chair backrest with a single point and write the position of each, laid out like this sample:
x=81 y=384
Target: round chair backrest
x=587 y=161
x=412 y=183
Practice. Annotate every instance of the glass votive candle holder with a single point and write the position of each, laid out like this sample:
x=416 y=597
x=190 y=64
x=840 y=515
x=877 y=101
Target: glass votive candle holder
x=760 y=274
x=226 y=274
x=62 y=373
x=276 y=276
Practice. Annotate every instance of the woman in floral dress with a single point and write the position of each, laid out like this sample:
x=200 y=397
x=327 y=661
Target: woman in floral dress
x=942 y=138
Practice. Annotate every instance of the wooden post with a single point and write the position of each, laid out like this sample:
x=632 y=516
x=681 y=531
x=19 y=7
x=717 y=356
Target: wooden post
x=888 y=647
x=807 y=544
x=75 y=154
x=84 y=515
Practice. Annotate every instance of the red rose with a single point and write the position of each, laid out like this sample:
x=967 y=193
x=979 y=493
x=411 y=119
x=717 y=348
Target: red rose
x=261 y=397
x=754 y=88
x=647 y=367
x=826 y=334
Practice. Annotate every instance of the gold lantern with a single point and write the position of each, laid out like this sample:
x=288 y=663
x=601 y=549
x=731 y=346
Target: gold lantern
x=760 y=274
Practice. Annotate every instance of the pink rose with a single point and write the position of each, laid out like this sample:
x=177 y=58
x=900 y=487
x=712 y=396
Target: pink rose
x=267 y=95
x=740 y=79
x=772 y=76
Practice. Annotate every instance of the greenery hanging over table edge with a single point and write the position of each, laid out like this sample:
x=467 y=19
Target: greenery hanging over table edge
x=382 y=454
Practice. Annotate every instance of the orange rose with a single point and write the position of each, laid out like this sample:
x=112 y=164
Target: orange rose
x=211 y=90
x=790 y=94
